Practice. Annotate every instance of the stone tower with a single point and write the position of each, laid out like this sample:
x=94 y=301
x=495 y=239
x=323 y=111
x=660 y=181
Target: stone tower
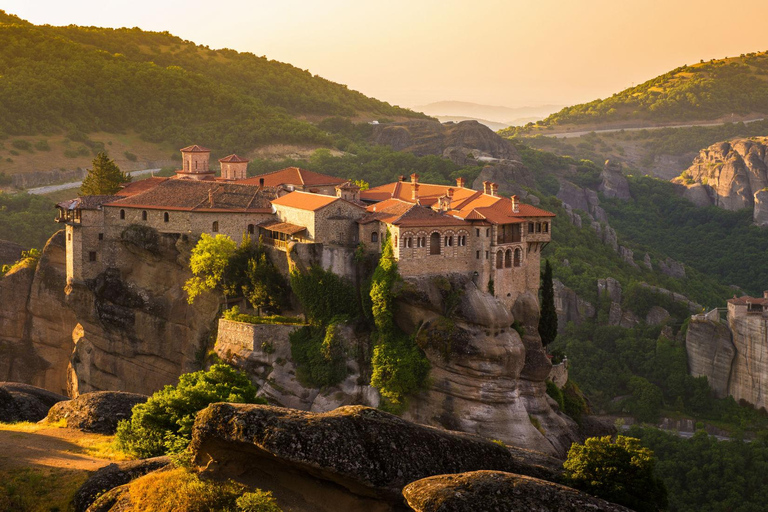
x=233 y=167
x=195 y=164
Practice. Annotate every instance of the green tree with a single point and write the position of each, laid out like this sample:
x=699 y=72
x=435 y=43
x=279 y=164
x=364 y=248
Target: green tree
x=209 y=262
x=619 y=470
x=548 y=316
x=265 y=288
x=163 y=424
x=104 y=178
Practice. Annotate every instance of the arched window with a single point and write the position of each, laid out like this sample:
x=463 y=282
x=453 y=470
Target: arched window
x=215 y=227
x=375 y=236
x=409 y=242
x=499 y=259
x=166 y=217
x=508 y=258
x=251 y=229
x=144 y=215
x=122 y=214
x=518 y=257
x=449 y=241
x=434 y=243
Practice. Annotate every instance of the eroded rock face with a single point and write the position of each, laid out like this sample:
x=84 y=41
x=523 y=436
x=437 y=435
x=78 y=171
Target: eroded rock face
x=614 y=183
x=710 y=353
x=728 y=174
x=760 y=214
x=368 y=452
x=98 y=412
x=496 y=490
x=22 y=402
x=10 y=252
x=485 y=379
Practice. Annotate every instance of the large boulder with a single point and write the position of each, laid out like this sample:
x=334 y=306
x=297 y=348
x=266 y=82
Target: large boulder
x=10 y=252
x=367 y=452
x=498 y=491
x=112 y=476
x=22 y=402
x=97 y=412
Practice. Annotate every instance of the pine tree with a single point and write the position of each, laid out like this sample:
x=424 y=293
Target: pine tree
x=548 y=316
x=104 y=179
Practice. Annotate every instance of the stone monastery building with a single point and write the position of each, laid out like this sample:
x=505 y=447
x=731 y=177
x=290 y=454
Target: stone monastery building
x=435 y=229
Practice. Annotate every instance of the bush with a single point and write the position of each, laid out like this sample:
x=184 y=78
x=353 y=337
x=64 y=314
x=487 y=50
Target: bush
x=181 y=489
x=234 y=314
x=42 y=145
x=620 y=471
x=574 y=404
x=556 y=394
x=324 y=295
x=164 y=423
x=24 y=145
x=319 y=355
x=130 y=156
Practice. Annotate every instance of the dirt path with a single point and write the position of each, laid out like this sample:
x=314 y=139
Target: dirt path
x=49 y=447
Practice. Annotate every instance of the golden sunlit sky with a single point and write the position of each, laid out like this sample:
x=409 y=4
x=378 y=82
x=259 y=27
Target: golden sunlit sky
x=410 y=52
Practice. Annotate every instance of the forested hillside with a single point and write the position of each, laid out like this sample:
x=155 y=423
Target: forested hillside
x=704 y=91
x=86 y=79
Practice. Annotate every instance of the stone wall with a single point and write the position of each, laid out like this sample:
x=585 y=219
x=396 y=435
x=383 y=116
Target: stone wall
x=559 y=374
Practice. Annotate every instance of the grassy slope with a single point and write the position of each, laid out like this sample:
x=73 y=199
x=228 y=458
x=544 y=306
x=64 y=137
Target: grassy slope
x=710 y=90
x=86 y=79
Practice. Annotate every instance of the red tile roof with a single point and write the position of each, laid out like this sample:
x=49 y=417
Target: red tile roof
x=405 y=214
x=282 y=227
x=743 y=301
x=195 y=149
x=233 y=159
x=293 y=176
x=137 y=187
x=305 y=200
x=191 y=195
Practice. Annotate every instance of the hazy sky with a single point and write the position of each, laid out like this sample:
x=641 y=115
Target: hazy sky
x=410 y=52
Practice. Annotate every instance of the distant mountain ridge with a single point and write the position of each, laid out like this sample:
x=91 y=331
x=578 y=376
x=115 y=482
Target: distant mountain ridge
x=730 y=89
x=89 y=79
x=507 y=116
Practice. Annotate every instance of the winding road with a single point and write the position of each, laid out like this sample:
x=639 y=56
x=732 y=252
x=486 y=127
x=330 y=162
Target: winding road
x=568 y=135
x=74 y=184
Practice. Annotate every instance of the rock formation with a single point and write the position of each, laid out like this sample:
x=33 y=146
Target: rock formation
x=760 y=213
x=496 y=490
x=10 y=252
x=485 y=378
x=730 y=175
x=97 y=412
x=22 y=402
x=733 y=357
x=130 y=329
x=614 y=183
x=114 y=475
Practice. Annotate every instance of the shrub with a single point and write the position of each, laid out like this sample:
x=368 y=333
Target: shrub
x=234 y=314
x=620 y=471
x=164 y=423
x=319 y=355
x=556 y=394
x=574 y=404
x=130 y=156
x=323 y=295
x=24 y=145
x=42 y=145
x=258 y=501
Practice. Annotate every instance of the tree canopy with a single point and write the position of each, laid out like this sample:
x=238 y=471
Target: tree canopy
x=104 y=178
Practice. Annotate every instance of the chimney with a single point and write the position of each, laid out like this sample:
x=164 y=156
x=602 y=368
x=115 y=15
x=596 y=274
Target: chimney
x=210 y=198
x=414 y=190
x=765 y=294
x=515 y=204
x=460 y=182
x=494 y=188
x=485 y=186
x=261 y=182
x=414 y=178
x=402 y=178
x=449 y=193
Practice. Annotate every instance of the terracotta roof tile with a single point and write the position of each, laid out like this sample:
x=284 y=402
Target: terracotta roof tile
x=746 y=299
x=282 y=227
x=195 y=149
x=293 y=176
x=233 y=159
x=137 y=187
x=192 y=195
x=305 y=200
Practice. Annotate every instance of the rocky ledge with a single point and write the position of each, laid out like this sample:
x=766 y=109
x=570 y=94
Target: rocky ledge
x=498 y=491
x=21 y=402
x=368 y=454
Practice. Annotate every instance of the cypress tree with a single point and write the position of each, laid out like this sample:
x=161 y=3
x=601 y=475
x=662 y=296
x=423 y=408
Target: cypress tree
x=548 y=315
x=104 y=179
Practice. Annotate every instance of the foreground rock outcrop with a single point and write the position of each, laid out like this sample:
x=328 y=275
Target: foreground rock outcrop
x=97 y=412
x=498 y=491
x=357 y=454
x=732 y=175
x=113 y=476
x=22 y=402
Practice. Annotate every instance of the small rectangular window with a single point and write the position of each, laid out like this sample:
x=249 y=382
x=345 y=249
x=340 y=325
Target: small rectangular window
x=488 y=232
x=92 y=256
x=486 y=254
x=477 y=231
x=478 y=255
x=530 y=227
x=101 y=236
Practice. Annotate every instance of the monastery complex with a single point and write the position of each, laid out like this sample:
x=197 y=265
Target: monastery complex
x=435 y=229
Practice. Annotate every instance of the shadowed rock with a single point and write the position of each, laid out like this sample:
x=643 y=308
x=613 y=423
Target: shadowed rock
x=22 y=402
x=98 y=412
x=114 y=475
x=498 y=491
x=368 y=452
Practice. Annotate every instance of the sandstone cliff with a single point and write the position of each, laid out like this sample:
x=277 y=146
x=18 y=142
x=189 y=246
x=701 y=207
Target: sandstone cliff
x=130 y=329
x=733 y=357
x=730 y=175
